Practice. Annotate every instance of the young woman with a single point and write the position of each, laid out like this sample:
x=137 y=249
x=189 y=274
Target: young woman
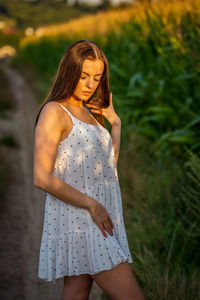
x=75 y=162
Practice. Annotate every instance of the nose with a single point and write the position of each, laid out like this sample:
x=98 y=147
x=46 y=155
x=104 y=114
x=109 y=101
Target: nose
x=90 y=83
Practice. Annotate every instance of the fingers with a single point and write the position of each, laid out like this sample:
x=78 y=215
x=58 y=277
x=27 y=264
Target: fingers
x=110 y=221
x=102 y=230
x=92 y=106
x=108 y=226
x=95 y=110
x=103 y=220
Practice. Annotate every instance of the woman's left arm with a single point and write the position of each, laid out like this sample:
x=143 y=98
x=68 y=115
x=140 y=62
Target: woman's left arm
x=116 y=137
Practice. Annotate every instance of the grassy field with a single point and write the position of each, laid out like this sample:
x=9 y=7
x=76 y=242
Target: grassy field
x=23 y=14
x=154 y=76
x=154 y=65
x=161 y=208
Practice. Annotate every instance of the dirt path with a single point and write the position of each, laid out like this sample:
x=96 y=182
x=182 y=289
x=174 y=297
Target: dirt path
x=22 y=209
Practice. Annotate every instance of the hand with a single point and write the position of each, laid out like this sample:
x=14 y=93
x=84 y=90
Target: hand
x=109 y=112
x=101 y=217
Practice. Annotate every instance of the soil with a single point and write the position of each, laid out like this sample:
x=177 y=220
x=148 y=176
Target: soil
x=22 y=206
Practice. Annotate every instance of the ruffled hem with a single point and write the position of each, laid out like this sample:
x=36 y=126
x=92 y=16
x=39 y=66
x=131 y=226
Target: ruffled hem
x=105 y=269
x=59 y=256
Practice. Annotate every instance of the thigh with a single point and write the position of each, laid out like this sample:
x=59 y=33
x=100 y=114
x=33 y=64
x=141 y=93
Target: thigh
x=119 y=283
x=77 y=287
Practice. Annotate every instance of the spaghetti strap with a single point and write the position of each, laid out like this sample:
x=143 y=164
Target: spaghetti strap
x=76 y=119
x=67 y=111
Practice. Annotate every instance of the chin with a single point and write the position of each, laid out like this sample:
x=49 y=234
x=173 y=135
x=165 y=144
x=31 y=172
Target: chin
x=90 y=98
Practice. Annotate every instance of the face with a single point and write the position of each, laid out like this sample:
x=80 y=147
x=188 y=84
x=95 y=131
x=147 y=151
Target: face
x=92 y=72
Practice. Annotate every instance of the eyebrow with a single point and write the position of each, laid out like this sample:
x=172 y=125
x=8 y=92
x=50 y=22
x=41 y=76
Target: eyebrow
x=89 y=74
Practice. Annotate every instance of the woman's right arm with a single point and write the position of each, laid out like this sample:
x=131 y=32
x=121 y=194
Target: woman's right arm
x=47 y=138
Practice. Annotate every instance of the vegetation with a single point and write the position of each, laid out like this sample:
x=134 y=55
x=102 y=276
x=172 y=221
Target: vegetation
x=155 y=80
x=31 y=13
x=161 y=208
x=154 y=66
x=20 y=15
x=8 y=140
x=6 y=102
x=154 y=76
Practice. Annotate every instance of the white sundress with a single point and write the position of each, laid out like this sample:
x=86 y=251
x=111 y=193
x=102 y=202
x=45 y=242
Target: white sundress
x=72 y=243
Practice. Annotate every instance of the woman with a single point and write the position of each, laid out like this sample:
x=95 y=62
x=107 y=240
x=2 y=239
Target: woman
x=75 y=162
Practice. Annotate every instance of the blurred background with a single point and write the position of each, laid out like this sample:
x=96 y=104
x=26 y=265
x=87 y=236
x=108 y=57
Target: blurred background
x=153 y=50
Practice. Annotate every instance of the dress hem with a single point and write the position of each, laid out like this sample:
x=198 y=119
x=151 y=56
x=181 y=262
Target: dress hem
x=54 y=280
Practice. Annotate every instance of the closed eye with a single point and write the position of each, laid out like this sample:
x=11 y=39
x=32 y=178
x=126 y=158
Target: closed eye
x=85 y=78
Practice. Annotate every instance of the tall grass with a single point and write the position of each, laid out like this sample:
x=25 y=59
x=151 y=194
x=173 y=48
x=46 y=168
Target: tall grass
x=155 y=80
x=161 y=201
x=154 y=68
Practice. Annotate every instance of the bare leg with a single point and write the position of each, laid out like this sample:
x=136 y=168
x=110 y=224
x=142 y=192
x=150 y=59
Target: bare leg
x=77 y=287
x=119 y=283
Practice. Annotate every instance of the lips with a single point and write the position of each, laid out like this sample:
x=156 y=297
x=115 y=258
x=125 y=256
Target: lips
x=87 y=93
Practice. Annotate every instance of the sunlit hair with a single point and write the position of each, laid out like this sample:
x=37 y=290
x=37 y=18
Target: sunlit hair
x=69 y=72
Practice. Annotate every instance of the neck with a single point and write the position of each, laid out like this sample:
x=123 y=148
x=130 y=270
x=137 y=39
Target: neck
x=75 y=102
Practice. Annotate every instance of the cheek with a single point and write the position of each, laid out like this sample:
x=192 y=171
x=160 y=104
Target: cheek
x=96 y=85
x=78 y=87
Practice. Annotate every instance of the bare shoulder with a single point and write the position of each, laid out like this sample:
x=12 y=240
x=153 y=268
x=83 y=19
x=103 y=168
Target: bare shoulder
x=50 y=126
x=52 y=108
x=52 y=113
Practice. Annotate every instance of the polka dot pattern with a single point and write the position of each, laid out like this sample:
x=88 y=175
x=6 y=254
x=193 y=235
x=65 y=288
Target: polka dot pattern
x=72 y=244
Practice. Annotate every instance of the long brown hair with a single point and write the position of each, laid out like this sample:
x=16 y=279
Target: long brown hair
x=69 y=72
